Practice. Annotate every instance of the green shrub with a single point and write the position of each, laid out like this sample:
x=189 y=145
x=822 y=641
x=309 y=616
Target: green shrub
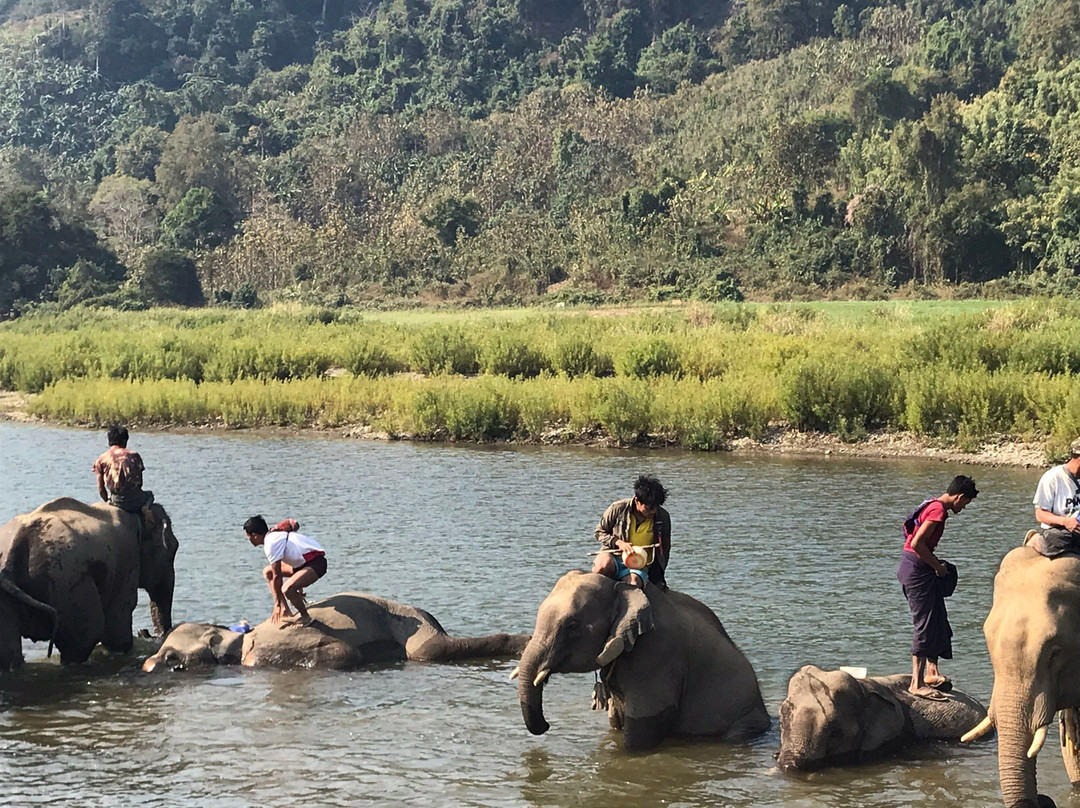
x=655 y=357
x=577 y=356
x=623 y=409
x=443 y=350
x=831 y=393
x=368 y=358
x=509 y=354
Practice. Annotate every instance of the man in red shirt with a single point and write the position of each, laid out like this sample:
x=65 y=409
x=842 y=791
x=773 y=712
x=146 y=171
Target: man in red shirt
x=927 y=581
x=119 y=474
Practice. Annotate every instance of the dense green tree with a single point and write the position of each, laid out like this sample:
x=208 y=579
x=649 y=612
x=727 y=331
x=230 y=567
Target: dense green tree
x=198 y=221
x=168 y=277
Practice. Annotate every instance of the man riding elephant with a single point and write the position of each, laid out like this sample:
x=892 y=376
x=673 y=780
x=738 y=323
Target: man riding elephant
x=120 y=477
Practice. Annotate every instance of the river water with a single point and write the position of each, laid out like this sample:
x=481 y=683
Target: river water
x=796 y=556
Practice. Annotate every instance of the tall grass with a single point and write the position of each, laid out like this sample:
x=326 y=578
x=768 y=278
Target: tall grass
x=697 y=377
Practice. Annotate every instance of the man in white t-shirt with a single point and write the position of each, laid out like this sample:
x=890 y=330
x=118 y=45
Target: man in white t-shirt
x=1057 y=504
x=296 y=561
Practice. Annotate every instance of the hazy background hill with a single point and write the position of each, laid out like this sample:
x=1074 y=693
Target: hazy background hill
x=156 y=151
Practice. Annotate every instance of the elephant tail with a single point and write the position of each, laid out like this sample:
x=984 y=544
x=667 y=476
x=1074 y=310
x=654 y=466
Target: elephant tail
x=7 y=584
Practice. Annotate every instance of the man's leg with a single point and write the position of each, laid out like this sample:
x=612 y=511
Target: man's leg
x=604 y=564
x=294 y=591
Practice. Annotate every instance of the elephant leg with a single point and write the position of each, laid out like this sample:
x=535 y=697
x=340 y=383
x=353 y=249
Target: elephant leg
x=648 y=732
x=82 y=623
x=117 y=632
x=10 y=637
x=1070 y=744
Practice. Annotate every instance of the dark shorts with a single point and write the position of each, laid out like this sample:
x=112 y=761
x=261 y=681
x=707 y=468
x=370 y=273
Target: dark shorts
x=318 y=564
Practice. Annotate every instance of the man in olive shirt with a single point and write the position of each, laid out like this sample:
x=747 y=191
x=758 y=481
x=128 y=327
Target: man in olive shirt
x=636 y=522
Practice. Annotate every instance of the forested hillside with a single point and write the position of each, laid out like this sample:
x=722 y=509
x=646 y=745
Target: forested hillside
x=506 y=151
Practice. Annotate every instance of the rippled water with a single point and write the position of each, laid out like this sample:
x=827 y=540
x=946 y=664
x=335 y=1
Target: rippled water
x=796 y=556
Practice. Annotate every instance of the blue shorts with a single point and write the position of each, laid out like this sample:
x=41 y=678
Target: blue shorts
x=621 y=570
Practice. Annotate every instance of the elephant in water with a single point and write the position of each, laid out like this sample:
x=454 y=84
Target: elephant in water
x=831 y=718
x=1033 y=634
x=349 y=629
x=668 y=664
x=70 y=573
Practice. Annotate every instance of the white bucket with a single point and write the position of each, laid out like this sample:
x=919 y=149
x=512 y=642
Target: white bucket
x=857 y=672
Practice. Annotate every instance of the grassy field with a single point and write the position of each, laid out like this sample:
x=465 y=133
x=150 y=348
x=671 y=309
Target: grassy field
x=697 y=376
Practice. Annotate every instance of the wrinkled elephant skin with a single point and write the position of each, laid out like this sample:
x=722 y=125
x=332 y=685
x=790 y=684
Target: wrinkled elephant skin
x=349 y=630
x=1031 y=633
x=70 y=572
x=831 y=718
x=668 y=664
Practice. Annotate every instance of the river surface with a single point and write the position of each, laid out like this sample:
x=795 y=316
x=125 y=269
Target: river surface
x=796 y=556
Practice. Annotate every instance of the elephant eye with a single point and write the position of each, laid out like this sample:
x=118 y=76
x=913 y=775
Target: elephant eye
x=573 y=625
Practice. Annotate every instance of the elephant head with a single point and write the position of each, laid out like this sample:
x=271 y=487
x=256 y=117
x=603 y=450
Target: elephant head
x=584 y=624
x=156 y=571
x=1030 y=633
x=197 y=645
x=831 y=718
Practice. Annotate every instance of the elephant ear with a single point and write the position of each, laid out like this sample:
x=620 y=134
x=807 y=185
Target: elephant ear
x=883 y=720
x=632 y=617
x=221 y=650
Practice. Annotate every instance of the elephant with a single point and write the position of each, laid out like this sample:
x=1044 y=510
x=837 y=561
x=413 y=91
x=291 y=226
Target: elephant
x=831 y=718
x=349 y=630
x=1033 y=635
x=668 y=665
x=70 y=573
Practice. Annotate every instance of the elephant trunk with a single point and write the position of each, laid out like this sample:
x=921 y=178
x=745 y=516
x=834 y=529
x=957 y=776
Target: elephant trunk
x=1017 y=719
x=161 y=597
x=532 y=673
x=443 y=647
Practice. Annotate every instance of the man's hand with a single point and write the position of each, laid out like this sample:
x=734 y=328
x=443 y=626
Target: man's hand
x=1071 y=523
x=624 y=547
x=941 y=570
x=281 y=611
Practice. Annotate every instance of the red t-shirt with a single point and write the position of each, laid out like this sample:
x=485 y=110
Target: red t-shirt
x=936 y=514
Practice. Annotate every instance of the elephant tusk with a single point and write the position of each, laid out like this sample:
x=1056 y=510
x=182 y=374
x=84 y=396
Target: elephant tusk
x=540 y=677
x=978 y=730
x=1037 y=742
x=514 y=673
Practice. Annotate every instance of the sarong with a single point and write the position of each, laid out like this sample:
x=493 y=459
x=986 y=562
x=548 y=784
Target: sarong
x=926 y=593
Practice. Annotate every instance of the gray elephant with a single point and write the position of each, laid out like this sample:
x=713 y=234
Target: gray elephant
x=830 y=718
x=1032 y=633
x=668 y=664
x=70 y=573
x=349 y=630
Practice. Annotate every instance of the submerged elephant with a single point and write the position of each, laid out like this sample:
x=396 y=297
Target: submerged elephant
x=70 y=573
x=831 y=718
x=348 y=630
x=668 y=664
x=1033 y=634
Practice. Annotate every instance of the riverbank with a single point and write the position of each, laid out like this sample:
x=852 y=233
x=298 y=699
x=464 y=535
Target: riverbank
x=779 y=439
x=899 y=379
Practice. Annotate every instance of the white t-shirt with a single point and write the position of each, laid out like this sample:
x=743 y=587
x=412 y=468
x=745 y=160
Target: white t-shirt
x=1057 y=493
x=295 y=549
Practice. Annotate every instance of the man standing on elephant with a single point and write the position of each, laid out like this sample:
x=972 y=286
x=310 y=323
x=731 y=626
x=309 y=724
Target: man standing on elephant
x=639 y=522
x=1057 y=503
x=927 y=581
x=120 y=476
x=291 y=554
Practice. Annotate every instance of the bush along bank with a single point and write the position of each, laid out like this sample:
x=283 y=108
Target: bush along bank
x=699 y=377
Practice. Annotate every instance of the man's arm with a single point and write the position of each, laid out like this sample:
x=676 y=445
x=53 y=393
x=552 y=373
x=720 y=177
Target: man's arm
x=102 y=491
x=274 y=578
x=603 y=532
x=923 y=552
x=1045 y=517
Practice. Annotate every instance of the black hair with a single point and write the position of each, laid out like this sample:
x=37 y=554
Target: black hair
x=118 y=436
x=256 y=525
x=963 y=485
x=649 y=492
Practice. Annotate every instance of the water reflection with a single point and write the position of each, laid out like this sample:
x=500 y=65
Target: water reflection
x=796 y=556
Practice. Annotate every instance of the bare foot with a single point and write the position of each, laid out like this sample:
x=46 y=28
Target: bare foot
x=940 y=683
x=300 y=622
x=928 y=693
